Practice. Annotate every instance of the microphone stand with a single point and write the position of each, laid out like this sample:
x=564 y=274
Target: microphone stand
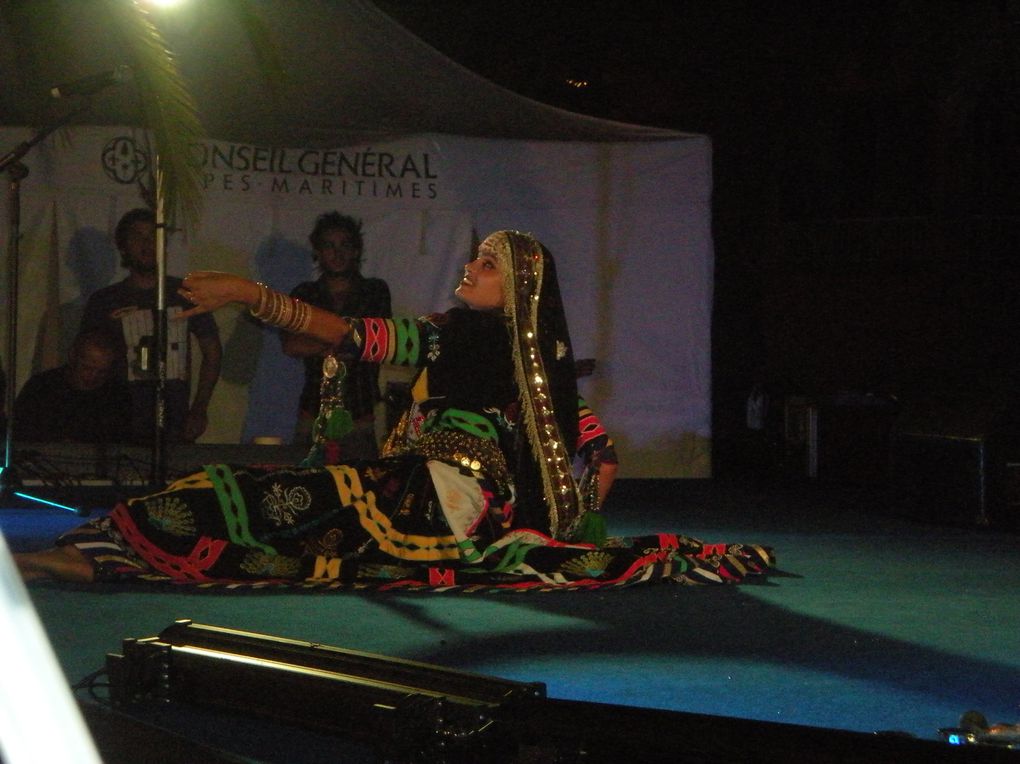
x=159 y=457
x=10 y=482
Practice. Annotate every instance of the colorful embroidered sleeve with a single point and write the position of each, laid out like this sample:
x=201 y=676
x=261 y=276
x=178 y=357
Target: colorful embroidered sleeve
x=593 y=442
x=395 y=341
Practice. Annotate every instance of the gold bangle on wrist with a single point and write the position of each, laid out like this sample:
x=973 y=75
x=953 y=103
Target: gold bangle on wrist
x=302 y=317
x=286 y=309
x=275 y=308
x=288 y=313
x=260 y=304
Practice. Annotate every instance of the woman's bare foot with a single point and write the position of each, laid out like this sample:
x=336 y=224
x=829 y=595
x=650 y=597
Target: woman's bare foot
x=64 y=563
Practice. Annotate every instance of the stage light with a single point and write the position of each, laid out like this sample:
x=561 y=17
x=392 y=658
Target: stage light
x=419 y=712
x=357 y=695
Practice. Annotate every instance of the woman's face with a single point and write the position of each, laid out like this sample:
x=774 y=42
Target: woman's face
x=481 y=288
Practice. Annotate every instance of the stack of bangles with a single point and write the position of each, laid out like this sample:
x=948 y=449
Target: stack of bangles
x=288 y=313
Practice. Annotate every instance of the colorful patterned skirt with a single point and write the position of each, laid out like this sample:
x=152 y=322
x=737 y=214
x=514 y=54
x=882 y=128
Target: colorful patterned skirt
x=393 y=523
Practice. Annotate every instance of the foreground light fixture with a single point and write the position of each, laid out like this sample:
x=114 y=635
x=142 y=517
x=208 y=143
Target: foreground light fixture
x=419 y=713
x=359 y=695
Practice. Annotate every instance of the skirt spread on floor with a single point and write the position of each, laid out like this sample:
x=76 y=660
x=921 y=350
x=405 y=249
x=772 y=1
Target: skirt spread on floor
x=397 y=523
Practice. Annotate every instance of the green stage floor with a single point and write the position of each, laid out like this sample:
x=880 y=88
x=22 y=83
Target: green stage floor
x=878 y=623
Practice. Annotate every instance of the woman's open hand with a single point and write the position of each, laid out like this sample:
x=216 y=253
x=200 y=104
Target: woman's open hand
x=209 y=290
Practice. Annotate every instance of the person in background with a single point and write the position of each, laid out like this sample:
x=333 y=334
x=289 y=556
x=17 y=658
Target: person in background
x=80 y=401
x=127 y=310
x=338 y=246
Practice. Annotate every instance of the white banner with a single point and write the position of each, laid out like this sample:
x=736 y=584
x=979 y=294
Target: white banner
x=629 y=224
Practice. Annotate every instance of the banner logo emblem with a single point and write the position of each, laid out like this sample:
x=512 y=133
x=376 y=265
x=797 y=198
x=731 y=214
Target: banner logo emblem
x=123 y=161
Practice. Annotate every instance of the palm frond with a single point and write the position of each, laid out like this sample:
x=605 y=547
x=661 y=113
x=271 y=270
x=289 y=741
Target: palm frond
x=167 y=109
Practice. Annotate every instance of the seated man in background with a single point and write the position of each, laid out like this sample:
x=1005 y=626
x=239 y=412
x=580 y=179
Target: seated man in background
x=80 y=401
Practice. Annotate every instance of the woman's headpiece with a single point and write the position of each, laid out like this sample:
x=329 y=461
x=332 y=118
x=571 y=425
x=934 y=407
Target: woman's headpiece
x=543 y=368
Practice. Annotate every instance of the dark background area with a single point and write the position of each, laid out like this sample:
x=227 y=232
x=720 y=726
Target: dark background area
x=866 y=177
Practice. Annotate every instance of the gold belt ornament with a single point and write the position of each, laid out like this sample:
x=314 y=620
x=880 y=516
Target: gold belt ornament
x=458 y=447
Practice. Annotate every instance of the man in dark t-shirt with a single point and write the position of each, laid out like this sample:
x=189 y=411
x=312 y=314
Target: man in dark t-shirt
x=127 y=310
x=338 y=244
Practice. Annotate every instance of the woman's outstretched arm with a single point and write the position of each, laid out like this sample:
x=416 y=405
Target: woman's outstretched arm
x=210 y=290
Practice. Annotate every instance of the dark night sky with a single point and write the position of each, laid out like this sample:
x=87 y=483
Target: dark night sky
x=866 y=165
x=796 y=85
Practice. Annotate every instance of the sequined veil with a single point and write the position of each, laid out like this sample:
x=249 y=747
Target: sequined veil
x=544 y=371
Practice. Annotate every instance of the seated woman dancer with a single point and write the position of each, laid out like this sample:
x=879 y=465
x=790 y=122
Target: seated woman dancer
x=475 y=486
